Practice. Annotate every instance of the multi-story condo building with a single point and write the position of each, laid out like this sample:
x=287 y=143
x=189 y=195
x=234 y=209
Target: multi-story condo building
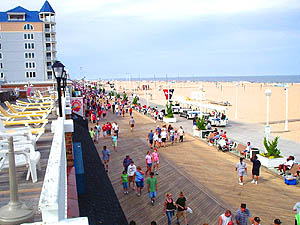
x=27 y=44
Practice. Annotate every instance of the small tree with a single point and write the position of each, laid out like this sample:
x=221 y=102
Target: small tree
x=271 y=147
x=169 y=111
x=201 y=123
x=125 y=97
x=112 y=93
x=135 y=100
x=118 y=95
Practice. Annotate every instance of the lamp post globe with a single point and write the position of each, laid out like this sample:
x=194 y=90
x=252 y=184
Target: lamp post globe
x=268 y=92
x=58 y=69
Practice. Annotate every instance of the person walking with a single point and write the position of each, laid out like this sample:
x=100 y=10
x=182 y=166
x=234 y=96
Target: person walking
x=148 y=159
x=155 y=157
x=241 y=167
x=169 y=208
x=131 y=123
x=164 y=135
x=130 y=111
x=255 y=169
x=277 y=222
x=225 y=218
x=124 y=181
x=180 y=133
x=126 y=162
x=256 y=221
x=131 y=171
x=181 y=207
x=150 y=138
x=105 y=157
x=139 y=180
x=152 y=187
x=92 y=133
x=114 y=139
x=242 y=215
x=172 y=135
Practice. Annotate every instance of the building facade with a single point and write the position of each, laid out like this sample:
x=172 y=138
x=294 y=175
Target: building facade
x=27 y=44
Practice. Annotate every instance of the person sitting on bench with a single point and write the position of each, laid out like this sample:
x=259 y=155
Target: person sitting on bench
x=248 y=149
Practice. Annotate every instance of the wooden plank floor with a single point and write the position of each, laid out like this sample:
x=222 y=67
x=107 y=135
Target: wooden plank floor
x=170 y=179
x=28 y=191
x=205 y=175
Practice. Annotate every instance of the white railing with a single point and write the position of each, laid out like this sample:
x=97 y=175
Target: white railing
x=53 y=200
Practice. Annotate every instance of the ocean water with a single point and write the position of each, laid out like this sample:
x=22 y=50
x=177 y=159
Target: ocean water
x=253 y=79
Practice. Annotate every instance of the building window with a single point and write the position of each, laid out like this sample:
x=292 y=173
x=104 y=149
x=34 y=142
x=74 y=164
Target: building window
x=25 y=45
x=16 y=17
x=1 y=66
x=49 y=75
x=28 y=27
x=29 y=45
x=30 y=74
x=30 y=65
x=1 y=75
x=28 y=36
x=32 y=45
x=0 y=55
x=0 y=45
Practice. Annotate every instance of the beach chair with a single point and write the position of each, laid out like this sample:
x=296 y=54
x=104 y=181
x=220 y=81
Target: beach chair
x=15 y=111
x=24 y=156
x=26 y=123
x=293 y=170
x=22 y=103
x=35 y=107
x=32 y=134
x=10 y=117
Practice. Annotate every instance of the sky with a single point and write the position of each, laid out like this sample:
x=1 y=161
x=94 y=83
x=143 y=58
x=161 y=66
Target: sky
x=143 y=38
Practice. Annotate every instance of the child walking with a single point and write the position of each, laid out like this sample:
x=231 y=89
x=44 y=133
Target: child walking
x=124 y=181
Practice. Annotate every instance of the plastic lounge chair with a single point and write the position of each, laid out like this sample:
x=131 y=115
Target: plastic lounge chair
x=30 y=107
x=293 y=170
x=15 y=111
x=32 y=134
x=25 y=155
x=22 y=103
x=26 y=123
x=8 y=116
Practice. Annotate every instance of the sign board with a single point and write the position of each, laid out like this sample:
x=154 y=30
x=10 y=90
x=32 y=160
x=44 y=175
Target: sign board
x=77 y=105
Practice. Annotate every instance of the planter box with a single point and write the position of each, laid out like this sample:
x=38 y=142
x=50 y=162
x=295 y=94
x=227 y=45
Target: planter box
x=169 y=120
x=201 y=133
x=271 y=162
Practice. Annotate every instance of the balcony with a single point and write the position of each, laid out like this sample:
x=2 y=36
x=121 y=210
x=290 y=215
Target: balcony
x=48 y=39
x=49 y=30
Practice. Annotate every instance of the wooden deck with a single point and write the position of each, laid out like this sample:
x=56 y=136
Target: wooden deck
x=206 y=176
x=28 y=191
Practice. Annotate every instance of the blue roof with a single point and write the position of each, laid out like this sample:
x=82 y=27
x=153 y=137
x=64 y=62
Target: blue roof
x=47 y=7
x=30 y=16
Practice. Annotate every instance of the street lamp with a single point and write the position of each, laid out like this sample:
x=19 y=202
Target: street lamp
x=286 y=88
x=58 y=69
x=64 y=79
x=268 y=93
x=236 y=99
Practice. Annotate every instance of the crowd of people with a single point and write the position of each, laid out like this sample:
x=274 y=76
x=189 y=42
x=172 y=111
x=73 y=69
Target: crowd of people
x=134 y=178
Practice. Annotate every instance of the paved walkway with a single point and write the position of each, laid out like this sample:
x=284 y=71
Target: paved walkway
x=243 y=133
x=206 y=175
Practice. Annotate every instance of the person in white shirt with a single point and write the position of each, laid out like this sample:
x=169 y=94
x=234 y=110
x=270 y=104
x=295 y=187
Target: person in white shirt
x=225 y=218
x=163 y=135
x=130 y=172
x=180 y=133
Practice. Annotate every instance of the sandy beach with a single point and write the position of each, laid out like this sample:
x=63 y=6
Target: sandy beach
x=252 y=102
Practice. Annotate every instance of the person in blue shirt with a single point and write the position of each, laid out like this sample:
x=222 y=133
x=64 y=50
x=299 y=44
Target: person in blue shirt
x=114 y=139
x=150 y=138
x=242 y=215
x=105 y=157
x=126 y=162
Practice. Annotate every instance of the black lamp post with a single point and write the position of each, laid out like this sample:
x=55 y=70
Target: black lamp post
x=64 y=78
x=58 y=69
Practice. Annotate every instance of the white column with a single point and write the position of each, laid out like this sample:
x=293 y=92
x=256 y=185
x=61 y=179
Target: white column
x=286 y=107
x=236 y=99
x=268 y=94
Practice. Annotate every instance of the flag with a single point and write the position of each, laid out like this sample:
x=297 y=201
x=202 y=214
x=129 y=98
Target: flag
x=166 y=92
x=171 y=91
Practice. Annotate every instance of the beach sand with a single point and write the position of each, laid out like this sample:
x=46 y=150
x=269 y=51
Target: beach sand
x=252 y=102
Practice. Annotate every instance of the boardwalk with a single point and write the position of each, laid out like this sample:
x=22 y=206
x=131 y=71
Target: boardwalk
x=28 y=191
x=206 y=176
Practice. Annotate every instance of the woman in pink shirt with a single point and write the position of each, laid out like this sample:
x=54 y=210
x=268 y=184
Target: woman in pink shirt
x=155 y=156
x=148 y=162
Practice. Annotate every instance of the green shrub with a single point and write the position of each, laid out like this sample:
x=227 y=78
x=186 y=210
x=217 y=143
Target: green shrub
x=118 y=95
x=169 y=111
x=271 y=147
x=112 y=93
x=201 y=123
x=135 y=100
x=125 y=97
